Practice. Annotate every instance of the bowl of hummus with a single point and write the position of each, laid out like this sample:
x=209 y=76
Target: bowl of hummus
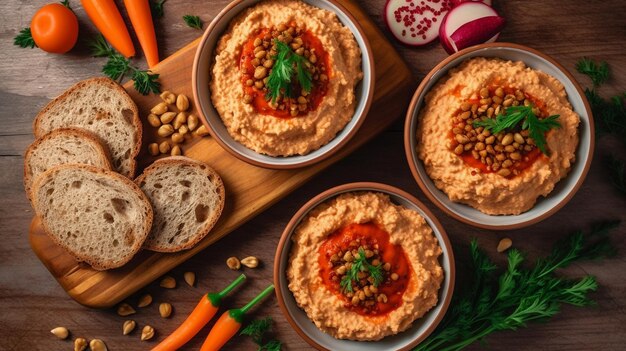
x=499 y=136
x=364 y=266
x=283 y=84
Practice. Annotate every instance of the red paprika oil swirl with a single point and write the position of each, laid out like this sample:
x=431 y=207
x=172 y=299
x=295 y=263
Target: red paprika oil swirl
x=528 y=158
x=260 y=101
x=372 y=235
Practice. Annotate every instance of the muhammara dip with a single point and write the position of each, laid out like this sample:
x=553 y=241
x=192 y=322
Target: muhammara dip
x=302 y=105
x=504 y=172
x=363 y=268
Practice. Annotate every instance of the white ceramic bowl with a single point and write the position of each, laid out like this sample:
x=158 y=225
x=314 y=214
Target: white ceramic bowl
x=406 y=340
x=201 y=76
x=564 y=189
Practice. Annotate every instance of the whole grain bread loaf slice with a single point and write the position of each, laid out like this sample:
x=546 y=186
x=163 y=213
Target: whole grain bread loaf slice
x=102 y=107
x=187 y=197
x=98 y=216
x=63 y=146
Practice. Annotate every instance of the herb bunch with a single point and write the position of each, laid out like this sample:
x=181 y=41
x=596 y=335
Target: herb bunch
x=609 y=115
x=117 y=66
x=498 y=300
x=361 y=264
x=257 y=330
x=512 y=117
x=287 y=64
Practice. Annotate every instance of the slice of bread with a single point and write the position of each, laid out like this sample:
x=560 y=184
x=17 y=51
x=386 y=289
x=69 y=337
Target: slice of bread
x=187 y=197
x=63 y=146
x=103 y=107
x=98 y=216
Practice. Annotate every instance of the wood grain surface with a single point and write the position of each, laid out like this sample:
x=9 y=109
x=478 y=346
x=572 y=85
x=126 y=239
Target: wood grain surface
x=246 y=196
x=33 y=302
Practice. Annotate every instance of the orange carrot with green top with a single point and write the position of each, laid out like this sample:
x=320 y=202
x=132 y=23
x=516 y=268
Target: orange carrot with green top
x=141 y=18
x=201 y=315
x=107 y=18
x=229 y=323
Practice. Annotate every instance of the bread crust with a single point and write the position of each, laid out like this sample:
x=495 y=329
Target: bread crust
x=147 y=223
x=88 y=136
x=182 y=160
x=136 y=122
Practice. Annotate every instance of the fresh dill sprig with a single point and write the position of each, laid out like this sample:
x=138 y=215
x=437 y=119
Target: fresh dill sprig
x=257 y=330
x=360 y=264
x=117 y=66
x=193 y=21
x=24 y=39
x=599 y=73
x=157 y=8
x=511 y=118
x=286 y=63
x=518 y=295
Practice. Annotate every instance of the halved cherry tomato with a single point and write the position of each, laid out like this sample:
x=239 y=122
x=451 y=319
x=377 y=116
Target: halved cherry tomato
x=54 y=28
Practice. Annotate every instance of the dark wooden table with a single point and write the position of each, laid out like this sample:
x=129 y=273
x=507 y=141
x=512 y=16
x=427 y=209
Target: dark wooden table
x=32 y=303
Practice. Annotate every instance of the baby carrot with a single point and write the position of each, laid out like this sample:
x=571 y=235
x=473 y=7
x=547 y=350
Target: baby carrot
x=199 y=317
x=141 y=18
x=106 y=17
x=229 y=323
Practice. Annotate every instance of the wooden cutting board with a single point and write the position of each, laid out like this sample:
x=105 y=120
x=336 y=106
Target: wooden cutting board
x=249 y=189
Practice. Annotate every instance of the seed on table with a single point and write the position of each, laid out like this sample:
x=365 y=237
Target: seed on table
x=190 y=278
x=202 y=131
x=165 y=310
x=181 y=118
x=504 y=244
x=144 y=300
x=233 y=263
x=60 y=332
x=125 y=309
x=168 y=282
x=164 y=147
x=167 y=117
x=154 y=120
x=182 y=103
x=183 y=129
x=176 y=151
x=192 y=122
x=80 y=344
x=128 y=327
x=165 y=130
x=147 y=333
x=168 y=97
x=159 y=109
x=177 y=138
x=97 y=345
x=250 y=262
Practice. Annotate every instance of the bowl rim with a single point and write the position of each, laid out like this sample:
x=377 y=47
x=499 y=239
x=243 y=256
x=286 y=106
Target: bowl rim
x=330 y=152
x=408 y=134
x=376 y=187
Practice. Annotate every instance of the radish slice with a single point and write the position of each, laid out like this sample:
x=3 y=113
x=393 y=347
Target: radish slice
x=476 y=32
x=456 y=3
x=415 y=22
x=459 y=23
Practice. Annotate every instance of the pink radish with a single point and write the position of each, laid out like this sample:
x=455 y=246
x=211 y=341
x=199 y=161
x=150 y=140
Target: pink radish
x=469 y=24
x=416 y=22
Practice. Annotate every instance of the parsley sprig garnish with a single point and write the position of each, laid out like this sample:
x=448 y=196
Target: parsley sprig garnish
x=361 y=264
x=117 y=66
x=508 y=300
x=24 y=39
x=257 y=330
x=599 y=73
x=287 y=64
x=193 y=21
x=513 y=115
